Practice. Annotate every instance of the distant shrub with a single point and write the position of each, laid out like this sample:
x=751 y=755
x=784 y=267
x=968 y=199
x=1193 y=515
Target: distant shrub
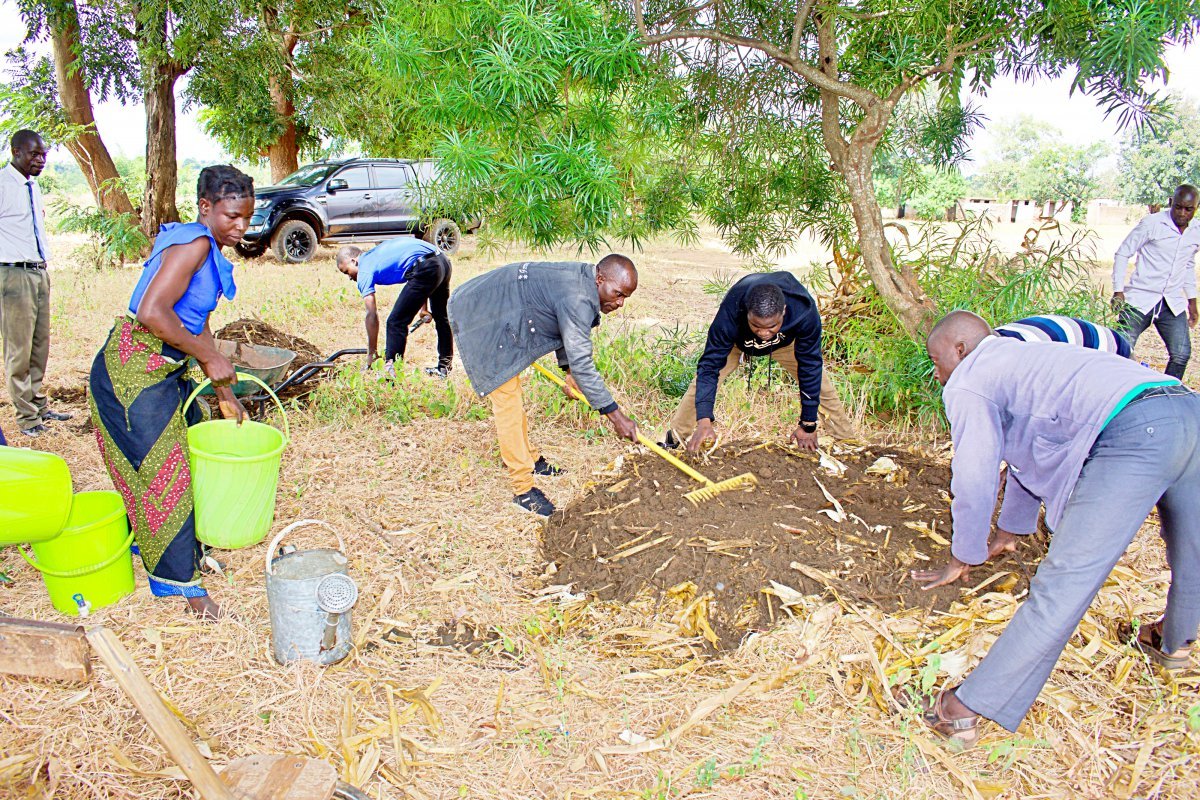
x=113 y=238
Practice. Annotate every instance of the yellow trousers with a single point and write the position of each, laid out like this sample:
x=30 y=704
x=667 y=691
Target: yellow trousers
x=834 y=418
x=512 y=429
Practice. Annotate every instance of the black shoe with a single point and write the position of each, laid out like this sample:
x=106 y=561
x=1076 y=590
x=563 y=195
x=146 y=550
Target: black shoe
x=56 y=416
x=544 y=467
x=438 y=372
x=535 y=502
x=669 y=442
x=35 y=431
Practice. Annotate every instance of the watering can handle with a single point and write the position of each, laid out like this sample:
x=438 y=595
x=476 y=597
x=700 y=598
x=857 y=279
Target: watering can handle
x=75 y=573
x=243 y=376
x=279 y=537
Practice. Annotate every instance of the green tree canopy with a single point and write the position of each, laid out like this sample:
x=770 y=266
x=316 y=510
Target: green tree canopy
x=261 y=88
x=546 y=118
x=1032 y=162
x=1152 y=163
x=831 y=74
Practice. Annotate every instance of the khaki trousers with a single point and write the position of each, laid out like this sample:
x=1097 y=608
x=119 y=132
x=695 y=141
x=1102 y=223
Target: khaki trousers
x=25 y=328
x=834 y=419
x=512 y=429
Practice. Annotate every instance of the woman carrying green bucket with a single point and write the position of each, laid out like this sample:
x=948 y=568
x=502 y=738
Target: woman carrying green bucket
x=138 y=382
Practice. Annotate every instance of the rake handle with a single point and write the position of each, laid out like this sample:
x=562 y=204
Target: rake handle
x=642 y=440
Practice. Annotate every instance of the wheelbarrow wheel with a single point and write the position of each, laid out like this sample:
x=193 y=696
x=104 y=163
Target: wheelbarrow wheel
x=344 y=791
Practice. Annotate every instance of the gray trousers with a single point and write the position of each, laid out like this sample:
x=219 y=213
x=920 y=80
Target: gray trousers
x=1146 y=456
x=25 y=328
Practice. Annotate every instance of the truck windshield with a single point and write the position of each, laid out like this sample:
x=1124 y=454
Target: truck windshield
x=309 y=175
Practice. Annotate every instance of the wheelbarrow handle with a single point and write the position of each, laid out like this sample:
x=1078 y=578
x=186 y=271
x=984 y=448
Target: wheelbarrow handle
x=642 y=440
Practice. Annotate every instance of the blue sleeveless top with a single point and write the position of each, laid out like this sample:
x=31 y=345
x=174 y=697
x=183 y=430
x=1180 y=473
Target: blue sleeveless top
x=213 y=280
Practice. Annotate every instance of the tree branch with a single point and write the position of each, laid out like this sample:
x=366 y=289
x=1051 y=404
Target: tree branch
x=831 y=125
x=801 y=18
x=640 y=17
x=952 y=56
x=861 y=96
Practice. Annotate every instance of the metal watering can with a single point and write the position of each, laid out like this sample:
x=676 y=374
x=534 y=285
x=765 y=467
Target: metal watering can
x=310 y=597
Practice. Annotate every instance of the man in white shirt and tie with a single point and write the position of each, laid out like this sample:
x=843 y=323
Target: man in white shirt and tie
x=24 y=283
x=1162 y=289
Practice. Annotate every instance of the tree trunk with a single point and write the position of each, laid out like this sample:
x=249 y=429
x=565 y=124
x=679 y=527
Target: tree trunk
x=898 y=288
x=162 y=173
x=88 y=148
x=284 y=152
x=854 y=160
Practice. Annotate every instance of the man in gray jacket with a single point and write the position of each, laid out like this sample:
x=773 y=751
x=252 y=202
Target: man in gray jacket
x=507 y=318
x=1100 y=441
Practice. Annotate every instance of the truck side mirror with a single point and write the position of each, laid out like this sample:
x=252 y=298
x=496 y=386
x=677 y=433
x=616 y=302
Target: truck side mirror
x=337 y=184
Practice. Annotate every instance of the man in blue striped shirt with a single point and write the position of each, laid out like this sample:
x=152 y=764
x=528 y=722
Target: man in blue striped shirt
x=1067 y=330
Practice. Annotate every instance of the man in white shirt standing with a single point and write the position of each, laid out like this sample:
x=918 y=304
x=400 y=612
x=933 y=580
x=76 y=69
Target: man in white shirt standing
x=1162 y=289
x=24 y=283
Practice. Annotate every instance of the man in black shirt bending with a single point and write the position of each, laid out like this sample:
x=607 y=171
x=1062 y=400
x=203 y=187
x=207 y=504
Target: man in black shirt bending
x=763 y=314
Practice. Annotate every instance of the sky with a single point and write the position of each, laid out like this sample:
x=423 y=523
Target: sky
x=1077 y=117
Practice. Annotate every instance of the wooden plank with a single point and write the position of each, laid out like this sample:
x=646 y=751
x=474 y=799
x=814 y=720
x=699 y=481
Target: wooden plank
x=280 y=778
x=166 y=726
x=50 y=650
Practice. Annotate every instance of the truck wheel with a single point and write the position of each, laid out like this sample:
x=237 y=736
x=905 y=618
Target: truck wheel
x=246 y=250
x=294 y=242
x=444 y=235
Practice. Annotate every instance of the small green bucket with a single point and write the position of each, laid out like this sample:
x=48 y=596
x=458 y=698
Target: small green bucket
x=88 y=566
x=235 y=470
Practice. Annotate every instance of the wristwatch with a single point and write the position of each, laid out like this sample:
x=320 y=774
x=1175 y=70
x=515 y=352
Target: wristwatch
x=808 y=427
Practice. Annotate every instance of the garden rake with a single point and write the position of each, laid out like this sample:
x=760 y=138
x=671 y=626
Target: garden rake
x=708 y=491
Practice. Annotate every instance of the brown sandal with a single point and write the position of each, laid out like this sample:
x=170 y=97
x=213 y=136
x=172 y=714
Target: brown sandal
x=960 y=733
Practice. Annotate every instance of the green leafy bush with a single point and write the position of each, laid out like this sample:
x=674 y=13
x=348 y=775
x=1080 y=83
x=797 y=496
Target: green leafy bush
x=113 y=238
x=959 y=267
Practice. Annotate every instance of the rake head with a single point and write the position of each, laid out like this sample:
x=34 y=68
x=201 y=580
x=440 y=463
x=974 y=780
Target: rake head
x=744 y=481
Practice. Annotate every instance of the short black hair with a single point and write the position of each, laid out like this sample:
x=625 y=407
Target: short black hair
x=223 y=182
x=765 y=301
x=1186 y=189
x=615 y=262
x=347 y=253
x=24 y=138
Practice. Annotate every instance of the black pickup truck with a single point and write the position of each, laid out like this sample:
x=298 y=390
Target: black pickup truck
x=351 y=200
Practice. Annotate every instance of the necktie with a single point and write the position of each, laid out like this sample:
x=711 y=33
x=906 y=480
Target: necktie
x=33 y=217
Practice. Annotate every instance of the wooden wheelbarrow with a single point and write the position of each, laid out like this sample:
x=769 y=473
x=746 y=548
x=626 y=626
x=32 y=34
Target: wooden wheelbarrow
x=60 y=652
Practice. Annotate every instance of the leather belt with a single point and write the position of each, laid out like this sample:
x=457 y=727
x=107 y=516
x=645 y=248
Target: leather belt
x=24 y=264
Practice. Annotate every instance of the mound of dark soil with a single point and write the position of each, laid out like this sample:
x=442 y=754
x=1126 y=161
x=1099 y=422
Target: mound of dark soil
x=634 y=530
x=254 y=331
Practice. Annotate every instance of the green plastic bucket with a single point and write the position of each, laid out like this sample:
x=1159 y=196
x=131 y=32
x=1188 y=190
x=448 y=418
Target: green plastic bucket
x=35 y=495
x=88 y=566
x=235 y=470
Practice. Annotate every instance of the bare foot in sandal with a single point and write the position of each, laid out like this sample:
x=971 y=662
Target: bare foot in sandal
x=1149 y=641
x=946 y=716
x=205 y=608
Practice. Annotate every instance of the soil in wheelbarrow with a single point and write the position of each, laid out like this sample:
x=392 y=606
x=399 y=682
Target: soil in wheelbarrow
x=634 y=532
x=254 y=331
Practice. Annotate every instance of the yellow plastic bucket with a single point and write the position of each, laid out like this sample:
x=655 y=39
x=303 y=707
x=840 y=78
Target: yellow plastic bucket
x=235 y=470
x=35 y=495
x=88 y=566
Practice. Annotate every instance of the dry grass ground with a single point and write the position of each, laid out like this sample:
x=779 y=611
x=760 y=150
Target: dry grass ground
x=552 y=700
